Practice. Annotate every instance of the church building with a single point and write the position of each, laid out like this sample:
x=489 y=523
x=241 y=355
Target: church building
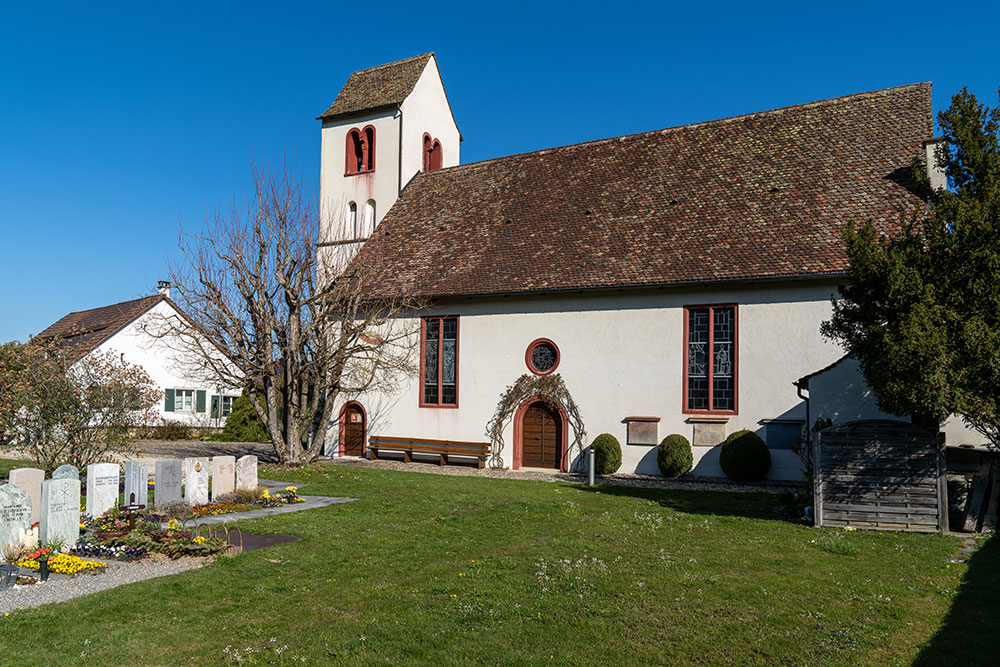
x=671 y=281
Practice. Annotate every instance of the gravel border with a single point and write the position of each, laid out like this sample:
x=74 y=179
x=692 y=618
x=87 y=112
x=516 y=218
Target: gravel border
x=117 y=574
x=687 y=482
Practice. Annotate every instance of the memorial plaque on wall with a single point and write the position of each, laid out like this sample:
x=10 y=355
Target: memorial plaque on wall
x=708 y=434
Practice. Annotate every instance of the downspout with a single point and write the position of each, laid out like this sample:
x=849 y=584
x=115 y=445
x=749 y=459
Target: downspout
x=399 y=160
x=799 y=386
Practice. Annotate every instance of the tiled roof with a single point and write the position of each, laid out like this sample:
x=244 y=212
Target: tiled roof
x=756 y=196
x=378 y=86
x=84 y=331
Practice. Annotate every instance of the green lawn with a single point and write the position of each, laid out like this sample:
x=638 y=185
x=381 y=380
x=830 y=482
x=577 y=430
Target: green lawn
x=437 y=569
x=6 y=465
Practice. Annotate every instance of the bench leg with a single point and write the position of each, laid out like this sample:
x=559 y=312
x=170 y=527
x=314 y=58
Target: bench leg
x=406 y=457
x=481 y=463
x=443 y=460
x=373 y=452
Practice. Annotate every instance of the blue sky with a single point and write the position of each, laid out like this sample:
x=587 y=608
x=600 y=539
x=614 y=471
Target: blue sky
x=120 y=122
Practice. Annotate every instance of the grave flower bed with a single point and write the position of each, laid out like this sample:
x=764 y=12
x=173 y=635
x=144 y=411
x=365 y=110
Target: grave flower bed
x=122 y=552
x=110 y=535
x=287 y=497
x=60 y=563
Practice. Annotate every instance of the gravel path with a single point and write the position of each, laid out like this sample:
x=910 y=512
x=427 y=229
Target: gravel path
x=117 y=574
x=688 y=482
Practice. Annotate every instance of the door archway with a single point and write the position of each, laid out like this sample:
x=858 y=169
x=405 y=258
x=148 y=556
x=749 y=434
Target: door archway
x=540 y=435
x=353 y=429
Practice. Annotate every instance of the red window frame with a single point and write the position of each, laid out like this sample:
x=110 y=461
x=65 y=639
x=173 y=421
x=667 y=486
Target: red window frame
x=433 y=158
x=531 y=348
x=366 y=137
x=711 y=359
x=423 y=358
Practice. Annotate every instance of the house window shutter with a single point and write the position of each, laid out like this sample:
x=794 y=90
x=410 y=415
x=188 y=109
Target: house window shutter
x=168 y=404
x=200 y=401
x=215 y=406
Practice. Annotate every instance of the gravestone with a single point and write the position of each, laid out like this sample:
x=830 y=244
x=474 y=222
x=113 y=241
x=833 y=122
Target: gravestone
x=66 y=471
x=60 y=518
x=246 y=473
x=30 y=481
x=223 y=475
x=136 y=482
x=168 y=481
x=102 y=488
x=196 y=481
x=15 y=514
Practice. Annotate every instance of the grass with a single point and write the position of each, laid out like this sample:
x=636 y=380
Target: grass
x=6 y=465
x=455 y=570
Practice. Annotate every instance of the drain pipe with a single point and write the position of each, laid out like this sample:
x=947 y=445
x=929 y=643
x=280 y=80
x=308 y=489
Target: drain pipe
x=590 y=465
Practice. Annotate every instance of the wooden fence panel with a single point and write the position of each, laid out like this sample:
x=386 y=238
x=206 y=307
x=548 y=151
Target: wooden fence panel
x=882 y=475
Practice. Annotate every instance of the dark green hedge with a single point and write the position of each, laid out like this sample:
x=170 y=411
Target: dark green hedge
x=607 y=454
x=674 y=456
x=744 y=457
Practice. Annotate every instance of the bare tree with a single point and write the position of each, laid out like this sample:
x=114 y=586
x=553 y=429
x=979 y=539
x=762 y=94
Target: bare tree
x=263 y=314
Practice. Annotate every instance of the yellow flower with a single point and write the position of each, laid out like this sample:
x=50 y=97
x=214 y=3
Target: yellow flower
x=199 y=540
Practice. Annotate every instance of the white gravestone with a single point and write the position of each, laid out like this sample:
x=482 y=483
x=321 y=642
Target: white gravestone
x=15 y=514
x=137 y=483
x=102 y=488
x=66 y=471
x=30 y=481
x=246 y=473
x=60 y=512
x=196 y=481
x=168 y=481
x=223 y=476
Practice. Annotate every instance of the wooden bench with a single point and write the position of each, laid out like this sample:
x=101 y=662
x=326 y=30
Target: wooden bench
x=441 y=448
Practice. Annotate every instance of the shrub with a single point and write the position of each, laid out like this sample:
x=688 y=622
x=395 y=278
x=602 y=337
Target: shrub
x=744 y=457
x=174 y=509
x=607 y=454
x=674 y=456
x=243 y=424
x=171 y=430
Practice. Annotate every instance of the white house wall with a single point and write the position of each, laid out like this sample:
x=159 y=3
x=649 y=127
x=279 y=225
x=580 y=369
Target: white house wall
x=426 y=109
x=159 y=360
x=622 y=354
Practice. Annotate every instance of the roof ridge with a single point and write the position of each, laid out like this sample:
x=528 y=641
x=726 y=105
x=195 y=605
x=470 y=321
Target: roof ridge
x=675 y=128
x=112 y=305
x=393 y=63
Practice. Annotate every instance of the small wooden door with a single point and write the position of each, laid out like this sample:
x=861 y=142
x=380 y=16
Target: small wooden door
x=354 y=431
x=541 y=437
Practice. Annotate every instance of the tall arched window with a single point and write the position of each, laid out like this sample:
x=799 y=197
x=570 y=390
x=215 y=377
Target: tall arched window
x=360 y=150
x=432 y=153
x=369 y=217
x=352 y=221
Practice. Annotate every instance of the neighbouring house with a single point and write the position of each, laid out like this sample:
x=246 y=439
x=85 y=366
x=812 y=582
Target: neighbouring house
x=127 y=329
x=671 y=281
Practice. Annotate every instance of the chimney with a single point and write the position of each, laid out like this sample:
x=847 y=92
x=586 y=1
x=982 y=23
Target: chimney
x=163 y=287
x=935 y=170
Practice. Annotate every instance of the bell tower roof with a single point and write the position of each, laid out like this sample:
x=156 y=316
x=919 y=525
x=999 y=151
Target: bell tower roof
x=377 y=87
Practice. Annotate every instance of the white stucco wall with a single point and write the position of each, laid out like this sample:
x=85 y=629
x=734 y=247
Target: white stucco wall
x=842 y=394
x=160 y=361
x=427 y=110
x=622 y=354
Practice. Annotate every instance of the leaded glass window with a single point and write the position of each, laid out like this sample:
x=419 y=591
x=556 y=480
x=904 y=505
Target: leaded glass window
x=440 y=362
x=543 y=356
x=711 y=358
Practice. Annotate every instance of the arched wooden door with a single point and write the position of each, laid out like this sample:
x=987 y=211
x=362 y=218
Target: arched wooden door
x=354 y=430
x=541 y=437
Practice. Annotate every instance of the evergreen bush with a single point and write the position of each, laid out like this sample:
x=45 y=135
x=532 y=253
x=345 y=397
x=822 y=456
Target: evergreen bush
x=674 y=456
x=607 y=454
x=744 y=457
x=243 y=424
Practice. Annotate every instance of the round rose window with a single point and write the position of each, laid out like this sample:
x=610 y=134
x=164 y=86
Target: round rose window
x=542 y=357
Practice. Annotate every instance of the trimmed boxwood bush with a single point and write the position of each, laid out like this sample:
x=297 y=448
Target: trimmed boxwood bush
x=674 y=455
x=607 y=454
x=744 y=457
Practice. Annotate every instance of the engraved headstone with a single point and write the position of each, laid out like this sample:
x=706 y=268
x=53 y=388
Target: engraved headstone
x=136 y=483
x=30 y=481
x=15 y=514
x=168 y=481
x=223 y=475
x=60 y=518
x=196 y=481
x=66 y=471
x=246 y=473
x=102 y=488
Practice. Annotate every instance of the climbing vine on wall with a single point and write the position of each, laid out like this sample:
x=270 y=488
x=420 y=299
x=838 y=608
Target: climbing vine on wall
x=548 y=387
